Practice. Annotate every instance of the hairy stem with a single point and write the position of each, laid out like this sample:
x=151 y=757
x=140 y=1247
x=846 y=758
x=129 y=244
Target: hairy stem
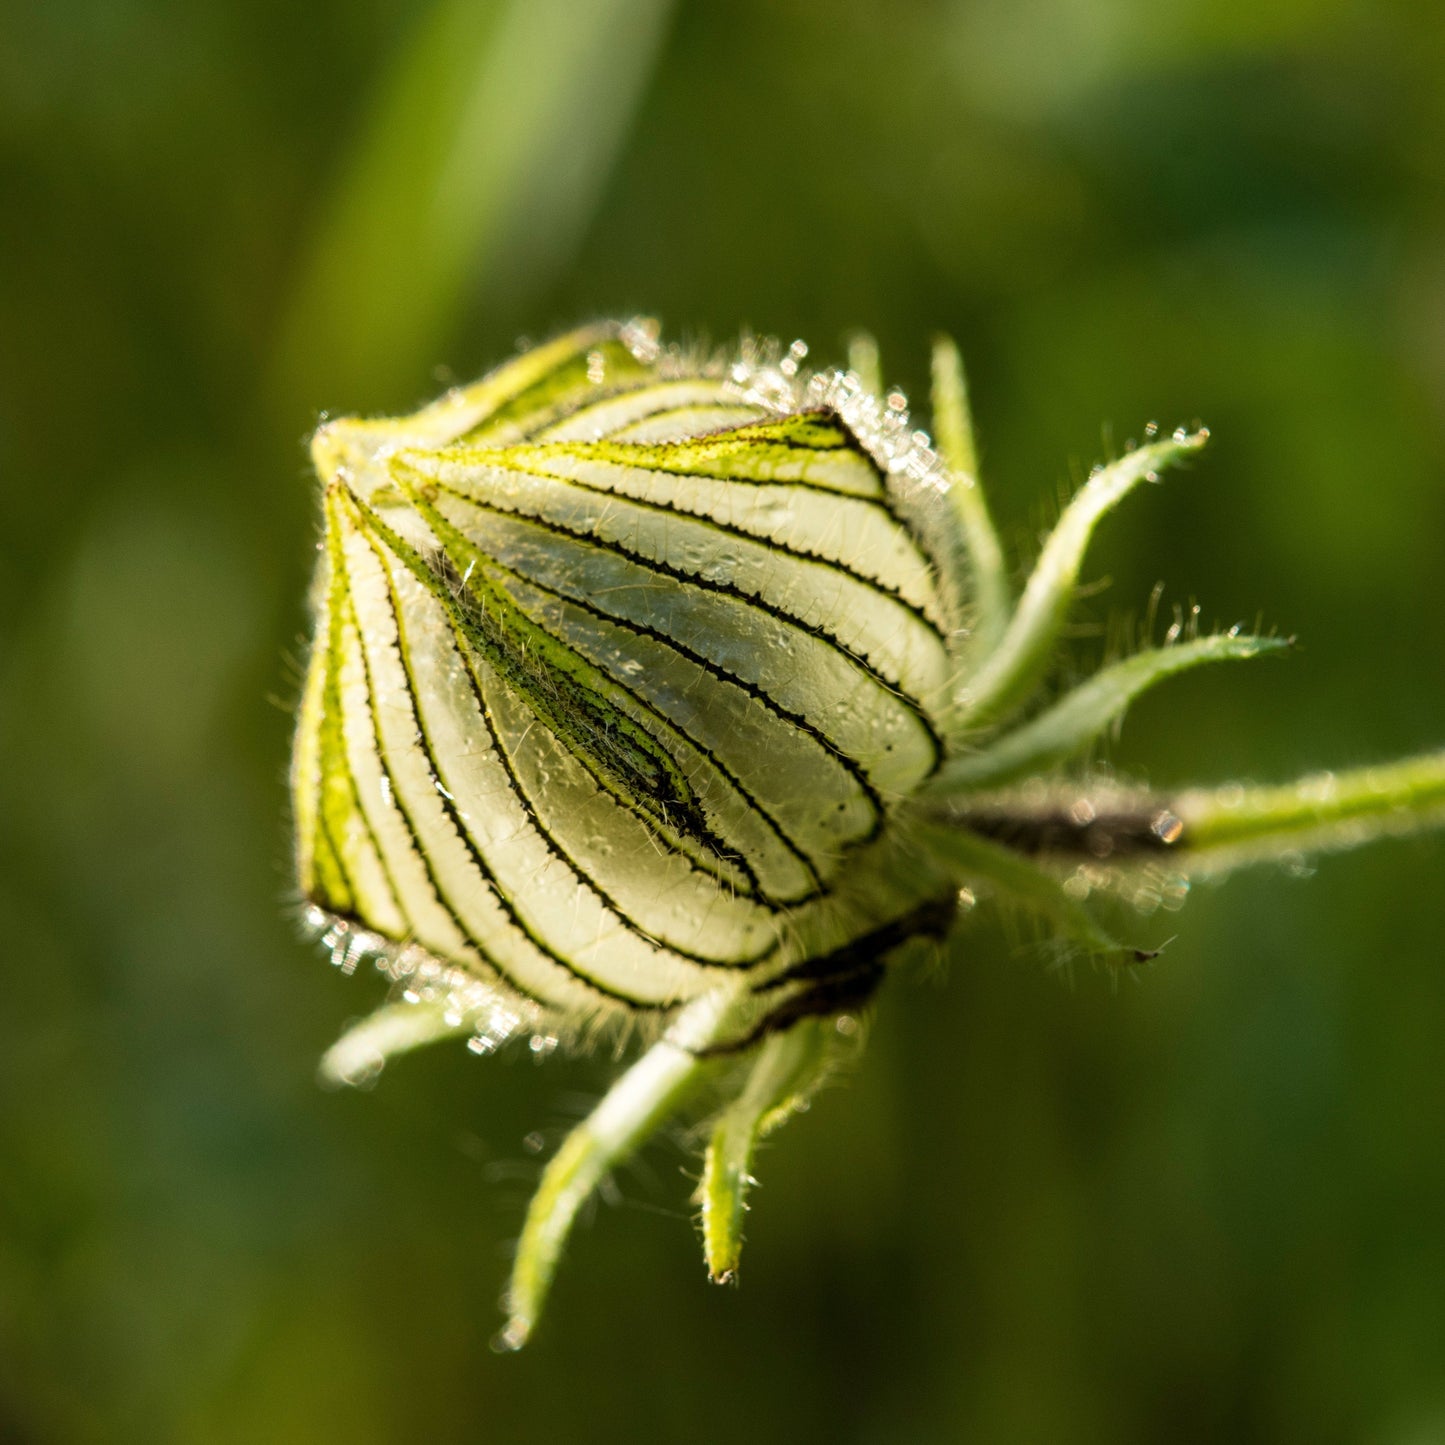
x=1322 y=811
x=973 y=860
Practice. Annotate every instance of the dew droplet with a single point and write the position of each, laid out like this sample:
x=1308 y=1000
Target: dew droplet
x=1296 y=865
x=510 y=1338
x=640 y=337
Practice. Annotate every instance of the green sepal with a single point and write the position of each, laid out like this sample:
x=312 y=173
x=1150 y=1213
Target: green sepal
x=660 y=1084
x=1007 y=677
x=358 y=1056
x=953 y=433
x=974 y=860
x=788 y=1068
x=1079 y=717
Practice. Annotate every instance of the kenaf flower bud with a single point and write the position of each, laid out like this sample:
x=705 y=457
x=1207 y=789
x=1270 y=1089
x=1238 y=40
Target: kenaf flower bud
x=651 y=687
x=622 y=660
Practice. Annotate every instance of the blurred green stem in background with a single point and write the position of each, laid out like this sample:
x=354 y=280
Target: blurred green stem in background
x=492 y=137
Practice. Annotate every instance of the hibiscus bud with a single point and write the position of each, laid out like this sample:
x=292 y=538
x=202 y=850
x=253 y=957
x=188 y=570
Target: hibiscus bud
x=623 y=659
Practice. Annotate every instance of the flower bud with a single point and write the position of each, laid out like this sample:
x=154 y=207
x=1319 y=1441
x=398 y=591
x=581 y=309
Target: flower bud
x=622 y=660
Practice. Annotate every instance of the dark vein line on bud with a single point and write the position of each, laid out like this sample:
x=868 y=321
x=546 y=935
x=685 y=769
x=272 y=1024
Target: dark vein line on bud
x=464 y=836
x=558 y=851
x=722 y=589
x=616 y=750
x=422 y=854
x=784 y=714
x=843 y=979
x=819 y=560
x=334 y=762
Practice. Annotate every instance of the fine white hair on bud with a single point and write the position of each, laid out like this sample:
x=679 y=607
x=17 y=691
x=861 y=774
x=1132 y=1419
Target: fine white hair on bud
x=669 y=692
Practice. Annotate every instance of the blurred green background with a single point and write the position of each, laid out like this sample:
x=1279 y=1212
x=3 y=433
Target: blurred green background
x=1203 y=1205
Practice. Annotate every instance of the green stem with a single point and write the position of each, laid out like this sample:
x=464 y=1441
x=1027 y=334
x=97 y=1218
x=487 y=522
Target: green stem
x=973 y=860
x=1321 y=811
